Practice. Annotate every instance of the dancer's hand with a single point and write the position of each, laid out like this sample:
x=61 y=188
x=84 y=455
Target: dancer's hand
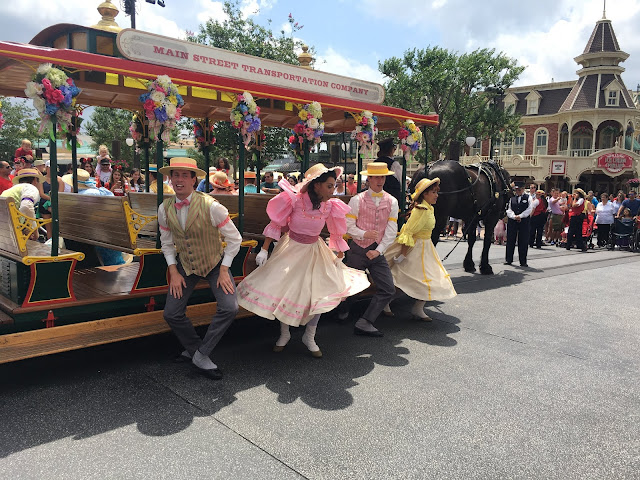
x=176 y=282
x=371 y=254
x=371 y=235
x=399 y=259
x=224 y=280
x=262 y=257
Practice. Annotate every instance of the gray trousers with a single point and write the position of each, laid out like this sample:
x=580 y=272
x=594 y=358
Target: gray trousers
x=175 y=309
x=380 y=274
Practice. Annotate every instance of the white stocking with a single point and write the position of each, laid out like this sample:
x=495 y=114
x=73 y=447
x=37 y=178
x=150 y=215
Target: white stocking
x=285 y=335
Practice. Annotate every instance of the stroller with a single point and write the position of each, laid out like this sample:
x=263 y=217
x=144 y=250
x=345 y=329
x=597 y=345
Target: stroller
x=588 y=230
x=623 y=234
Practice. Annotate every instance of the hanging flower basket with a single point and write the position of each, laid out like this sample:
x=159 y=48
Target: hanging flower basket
x=162 y=106
x=203 y=138
x=136 y=127
x=633 y=182
x=245 y=116
x=54 y=97
x=73 y=131
x=582 y=131
x=310 y=127
x=410 y=138
x=365 y=131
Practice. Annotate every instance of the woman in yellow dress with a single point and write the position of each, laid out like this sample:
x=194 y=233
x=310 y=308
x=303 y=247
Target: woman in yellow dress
x=415 y=264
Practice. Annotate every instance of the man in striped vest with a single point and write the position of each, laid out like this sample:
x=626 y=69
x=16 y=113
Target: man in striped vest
x=191 y=224
x=373 y=226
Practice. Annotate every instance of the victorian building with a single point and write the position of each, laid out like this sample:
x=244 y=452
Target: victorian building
x=576 y=133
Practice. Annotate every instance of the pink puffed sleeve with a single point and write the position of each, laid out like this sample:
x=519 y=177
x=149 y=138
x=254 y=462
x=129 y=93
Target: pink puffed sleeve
x=337 y=225
x=279 y=210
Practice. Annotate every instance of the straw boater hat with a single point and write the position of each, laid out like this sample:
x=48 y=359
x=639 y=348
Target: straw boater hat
x=220 y=180
x=541 y=192
x=38 y=163
x=183 y=163
x=376 y=169
x=249 y=175
x=579 y=190
x=422 y=186
x=83 y=176
x=26 y=173
x=315 y=172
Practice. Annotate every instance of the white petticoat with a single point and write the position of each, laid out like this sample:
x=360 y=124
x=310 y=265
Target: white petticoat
x=299 y=281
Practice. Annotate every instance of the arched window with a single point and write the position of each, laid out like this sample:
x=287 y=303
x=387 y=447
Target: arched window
x=542 y=141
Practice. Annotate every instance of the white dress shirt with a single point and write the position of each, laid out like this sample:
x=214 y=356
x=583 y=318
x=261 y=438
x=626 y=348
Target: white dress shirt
x=524 y=214
x=218 y=214
x=390 y=231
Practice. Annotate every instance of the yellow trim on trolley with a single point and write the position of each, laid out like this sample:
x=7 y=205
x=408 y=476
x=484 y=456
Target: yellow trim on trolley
x=22 y=225
x=79 y=256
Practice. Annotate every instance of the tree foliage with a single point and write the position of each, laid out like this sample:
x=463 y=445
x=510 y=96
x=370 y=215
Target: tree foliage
x=20 y=122
x=464 y=90
x=244 y=35
x=109 y=124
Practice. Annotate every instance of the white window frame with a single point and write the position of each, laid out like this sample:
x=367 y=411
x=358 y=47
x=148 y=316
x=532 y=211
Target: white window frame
x=533 y=103
x=476 y=148
x=538 y=149
x=613 y=98
x=519 y=143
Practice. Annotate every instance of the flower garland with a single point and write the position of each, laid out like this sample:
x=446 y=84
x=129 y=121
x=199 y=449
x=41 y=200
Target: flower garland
x=365 y=130
x=162 y=106
x=54 y=97
x=203 y=140
x=73 y=132
x=310 y=127
x=410 y=137
x=245 y=116
x=583 y=130
x=1 y=117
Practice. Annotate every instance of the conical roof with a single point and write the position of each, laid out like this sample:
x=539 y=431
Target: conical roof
x=603 y=38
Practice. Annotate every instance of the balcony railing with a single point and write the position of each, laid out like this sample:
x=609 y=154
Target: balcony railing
x=582 y=152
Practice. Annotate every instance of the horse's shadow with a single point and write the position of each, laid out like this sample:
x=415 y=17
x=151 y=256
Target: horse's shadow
x=89 y=392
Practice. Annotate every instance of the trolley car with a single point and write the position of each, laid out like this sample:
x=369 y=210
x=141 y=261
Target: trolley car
x=51 y=300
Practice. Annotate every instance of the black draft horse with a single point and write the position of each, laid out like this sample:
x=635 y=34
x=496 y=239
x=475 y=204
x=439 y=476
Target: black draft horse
x=472 y=193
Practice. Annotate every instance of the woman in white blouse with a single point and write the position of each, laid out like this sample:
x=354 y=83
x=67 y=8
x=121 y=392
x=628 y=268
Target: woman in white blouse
x=605 y=212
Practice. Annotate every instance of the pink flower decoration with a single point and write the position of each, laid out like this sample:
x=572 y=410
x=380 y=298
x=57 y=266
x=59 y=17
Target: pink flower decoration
x=364 y=121
x=149 y=105
x=257 y=110
x=46 y=83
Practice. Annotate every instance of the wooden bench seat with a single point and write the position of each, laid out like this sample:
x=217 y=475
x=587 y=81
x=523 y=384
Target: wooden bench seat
x=28 y=271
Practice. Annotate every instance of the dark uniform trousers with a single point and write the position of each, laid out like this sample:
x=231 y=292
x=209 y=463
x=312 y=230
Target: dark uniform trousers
x=538 y=223
x=518 y=231
x=380 y=274
x=175 y=313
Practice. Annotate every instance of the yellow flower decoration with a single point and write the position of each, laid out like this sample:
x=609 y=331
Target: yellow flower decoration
x=302 y=114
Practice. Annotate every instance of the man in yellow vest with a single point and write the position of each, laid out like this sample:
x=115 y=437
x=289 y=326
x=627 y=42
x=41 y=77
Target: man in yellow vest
x=191 y=226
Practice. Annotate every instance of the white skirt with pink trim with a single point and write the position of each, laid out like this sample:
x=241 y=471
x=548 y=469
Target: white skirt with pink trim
x=299 y=281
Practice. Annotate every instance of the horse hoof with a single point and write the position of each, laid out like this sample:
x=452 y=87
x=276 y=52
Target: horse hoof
x=470 y=269
x=486 y=270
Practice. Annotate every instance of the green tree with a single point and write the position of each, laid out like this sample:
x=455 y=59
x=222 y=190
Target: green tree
x=109 y=124
x=464 y=90
x=244 y=35
x=21 y=122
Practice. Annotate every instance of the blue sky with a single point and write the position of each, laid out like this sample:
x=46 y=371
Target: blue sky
x=351 y=37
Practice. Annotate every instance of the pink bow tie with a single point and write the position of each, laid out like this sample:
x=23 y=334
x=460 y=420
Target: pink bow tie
x=183 y=203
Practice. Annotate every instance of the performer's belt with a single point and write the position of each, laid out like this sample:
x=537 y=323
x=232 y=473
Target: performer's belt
x=300 y=238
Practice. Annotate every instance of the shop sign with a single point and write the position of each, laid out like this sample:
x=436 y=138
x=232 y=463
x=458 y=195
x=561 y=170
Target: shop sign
x=615 y=162
x=170 y=52
x=558 y=167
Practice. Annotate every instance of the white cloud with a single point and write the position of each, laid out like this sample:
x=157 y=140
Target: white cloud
x=210 y=9
x=333 y=62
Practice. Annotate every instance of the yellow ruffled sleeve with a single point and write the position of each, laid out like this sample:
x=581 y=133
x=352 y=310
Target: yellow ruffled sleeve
x=420 y=223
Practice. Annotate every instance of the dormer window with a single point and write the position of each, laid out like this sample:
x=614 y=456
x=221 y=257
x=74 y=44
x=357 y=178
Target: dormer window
x=510 y=101
x=612 y=93
x=533 y=103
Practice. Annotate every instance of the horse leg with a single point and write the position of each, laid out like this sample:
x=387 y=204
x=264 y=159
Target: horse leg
x=468 y=264
x=441 y=221
x=489 y=224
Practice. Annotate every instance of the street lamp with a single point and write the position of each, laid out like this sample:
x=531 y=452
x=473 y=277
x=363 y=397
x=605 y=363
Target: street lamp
x=129 y=141
x=470 y=141
x=130 y=8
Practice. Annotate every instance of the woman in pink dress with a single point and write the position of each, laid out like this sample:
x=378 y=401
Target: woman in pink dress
x=303 y=278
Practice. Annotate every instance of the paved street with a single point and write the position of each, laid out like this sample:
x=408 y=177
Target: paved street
x=529 y=373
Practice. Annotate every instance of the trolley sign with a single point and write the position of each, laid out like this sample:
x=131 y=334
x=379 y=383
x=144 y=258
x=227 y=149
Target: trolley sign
x=158 y=50
x=615 y=162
